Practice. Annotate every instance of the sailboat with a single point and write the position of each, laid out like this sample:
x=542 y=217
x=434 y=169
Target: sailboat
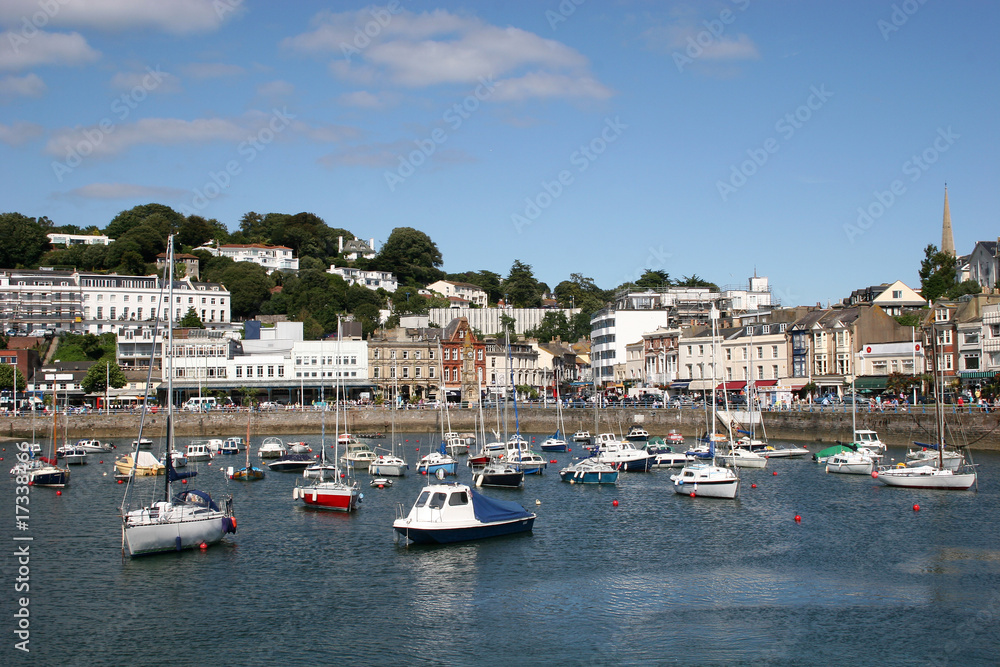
x=50 y=474
x=322 y=470
x=248 y=473
x=740 y=453
x=390 y=464
x=190 y=519
x=439 y=462
x=937 y=475
x=556 y=442
x=331 y=494
x=495 y=472
x=853 y=459
x=707 y=479
x=70 y=454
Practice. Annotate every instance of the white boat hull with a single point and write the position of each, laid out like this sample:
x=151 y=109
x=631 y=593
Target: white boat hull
x=926 y=477
x=146 y=535
x=851 y=468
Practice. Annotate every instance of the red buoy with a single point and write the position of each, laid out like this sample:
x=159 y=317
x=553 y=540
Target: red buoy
x=551 y=461
x=203 y=546
x=798 y=518
x=59 y=493
x=2 y=460
x=692 y=494
x=184 y=481
x=614 y=503
x=916 y=508
x=569 y=449
x=775 y=472
x=753 y=486
x=874 y=474
x=423 y=472
x=119 y=481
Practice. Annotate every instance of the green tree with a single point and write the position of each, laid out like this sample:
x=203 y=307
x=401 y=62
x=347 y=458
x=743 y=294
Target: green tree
x=191 y=320
x=22 y=240
x=137 y=215
x=7 y=375
x=938 y=272
x=100 y=375
x=963 y=288
x=695 y=281
x=249 y=287
x=908 y=319
x=195 y=231
x=553 y=324
x=653 y=279
x=521 y=288
x=410 y=254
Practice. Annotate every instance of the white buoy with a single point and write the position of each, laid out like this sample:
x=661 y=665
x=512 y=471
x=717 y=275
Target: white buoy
x=538 y=502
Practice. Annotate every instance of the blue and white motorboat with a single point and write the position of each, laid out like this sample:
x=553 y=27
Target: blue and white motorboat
x=435 y=461
x=526 y=461
x=554 y=443
x=589 y=471
x=446 y=513
x=291 y=463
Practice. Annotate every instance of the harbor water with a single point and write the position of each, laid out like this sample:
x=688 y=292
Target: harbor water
x=656 y=578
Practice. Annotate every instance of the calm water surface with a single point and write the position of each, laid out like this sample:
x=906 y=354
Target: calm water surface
x=659 y=579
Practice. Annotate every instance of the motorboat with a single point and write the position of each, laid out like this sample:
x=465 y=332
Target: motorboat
x=436 y=461
x=271 y=448
x=624 y=455
x=321 y=470
x=741 y=458
x=214 y=445
x=48 y=474
x=554 y=443
x=380 y=483
x=589 y=471
x=358 y=456
x=674 y=438
x=94 y=446
x=637 y=433
x=581 y=436
x=860 y=462
x=456 y=445
x=388 y=464
x=239 y=442
x=298 y=448
x=446 y=513
x=664 y=456
x=178 y=459
x=528 y=462
x=706 y=481
x=869 y=440
x=229 y=447
x=72 y=455
x=291 y=463
x=499 y=474
x=142 y=443
x=198 y=451
x=143 y=464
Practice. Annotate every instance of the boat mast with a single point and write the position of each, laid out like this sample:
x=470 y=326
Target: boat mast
x=938 y=393
x=169 y=342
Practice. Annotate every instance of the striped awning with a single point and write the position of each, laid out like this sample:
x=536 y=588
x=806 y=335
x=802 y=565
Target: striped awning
x=976 y=375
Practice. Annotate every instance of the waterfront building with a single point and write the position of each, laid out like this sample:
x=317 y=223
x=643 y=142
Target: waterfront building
x=487 y=320
x=407 y=359
x=68 y=240
x=894 y=298
x=660 y=356
x=758 y=352
x=373 y=280
x=520 y=365
x=984 y=264
x=990 y=340
x=474 y=294
x=272 y=258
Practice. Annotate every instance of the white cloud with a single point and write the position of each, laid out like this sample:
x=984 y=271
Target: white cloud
x=126 y=191
x=156 y=131
x=435 y=48
x=175 y=16
x=362 y=99
x=275 y=89
x=30 y=85
x=151 y=80
x=212 y=70
x=44 y=48
x=545 y=84
x=19 y=133
x=710 y=47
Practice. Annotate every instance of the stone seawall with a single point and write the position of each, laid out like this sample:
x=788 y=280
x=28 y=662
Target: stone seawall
x=981 y=430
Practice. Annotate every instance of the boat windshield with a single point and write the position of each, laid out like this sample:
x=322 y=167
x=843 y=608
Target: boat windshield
x=459 y=498
x=422 y=500
x=437 y=501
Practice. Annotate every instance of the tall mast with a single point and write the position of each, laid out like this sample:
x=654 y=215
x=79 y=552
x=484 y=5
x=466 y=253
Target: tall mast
x=169 y=343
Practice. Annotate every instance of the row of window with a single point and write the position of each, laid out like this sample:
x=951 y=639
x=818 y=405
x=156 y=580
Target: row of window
x=327 y=361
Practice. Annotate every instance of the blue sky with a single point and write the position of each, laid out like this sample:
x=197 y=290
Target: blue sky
x=601 y=138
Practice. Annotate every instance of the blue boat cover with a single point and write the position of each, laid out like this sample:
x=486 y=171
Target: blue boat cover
x=174 y=475
x=489 y=510
x=925 y=445
x=442 y=449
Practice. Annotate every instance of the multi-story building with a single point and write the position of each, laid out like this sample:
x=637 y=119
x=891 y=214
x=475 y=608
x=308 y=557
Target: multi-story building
x=984 y=264
x=990 y=338
x=463 y=360
x=474 y=294
x=406 y=362
x=487 y=320
x=893 y=298
x=660 y=355
x=373 y=280
x=272 y=258
x=757 y=352
x=518 y=364
x=559 y=361
x=752 y=297
x=355 y=248
x=59 y=238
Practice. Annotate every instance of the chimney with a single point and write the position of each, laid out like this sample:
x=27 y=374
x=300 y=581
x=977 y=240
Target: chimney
x=340 y=244
x=371 y=244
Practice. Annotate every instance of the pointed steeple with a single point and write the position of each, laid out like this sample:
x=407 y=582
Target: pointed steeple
x=947 y=238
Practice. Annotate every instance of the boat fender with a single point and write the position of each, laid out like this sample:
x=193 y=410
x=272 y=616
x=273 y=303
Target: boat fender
x=177 y=543
x=295 y=493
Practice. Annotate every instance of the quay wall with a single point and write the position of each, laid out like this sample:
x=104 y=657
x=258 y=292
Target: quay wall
x=820 y=424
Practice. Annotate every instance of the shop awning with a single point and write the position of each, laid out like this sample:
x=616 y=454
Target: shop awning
x=679 y=385
x=976 y=375
x=732 y=385
x=797 y=386
x=701 y=385
x=765 y=383
x=869 y=383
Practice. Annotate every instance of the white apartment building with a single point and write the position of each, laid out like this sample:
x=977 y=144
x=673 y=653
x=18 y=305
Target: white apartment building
x=487 y=320
x=522 y=364
x=471 y=293
x=272 y=258
x=67 y=240
x=755 y=296
x=990 y=338
x=611 y=329
x=370 y=279
x=882 y=359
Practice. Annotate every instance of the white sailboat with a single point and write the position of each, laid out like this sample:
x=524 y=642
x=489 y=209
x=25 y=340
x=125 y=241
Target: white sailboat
x=191 y=518
x=936 y=474
x=707 y=479
x=856 y=460
x=390 y=464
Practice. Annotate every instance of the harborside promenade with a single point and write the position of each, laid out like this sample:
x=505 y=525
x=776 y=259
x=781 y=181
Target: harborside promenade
x=821 y=424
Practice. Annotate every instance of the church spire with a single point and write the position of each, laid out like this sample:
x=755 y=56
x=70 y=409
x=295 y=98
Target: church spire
x=947 y=238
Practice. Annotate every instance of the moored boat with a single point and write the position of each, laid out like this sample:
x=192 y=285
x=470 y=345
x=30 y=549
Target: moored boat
x=589 y=471
x=271 y=448
x=446 y=513
x=291 y=463
x=706 y=481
